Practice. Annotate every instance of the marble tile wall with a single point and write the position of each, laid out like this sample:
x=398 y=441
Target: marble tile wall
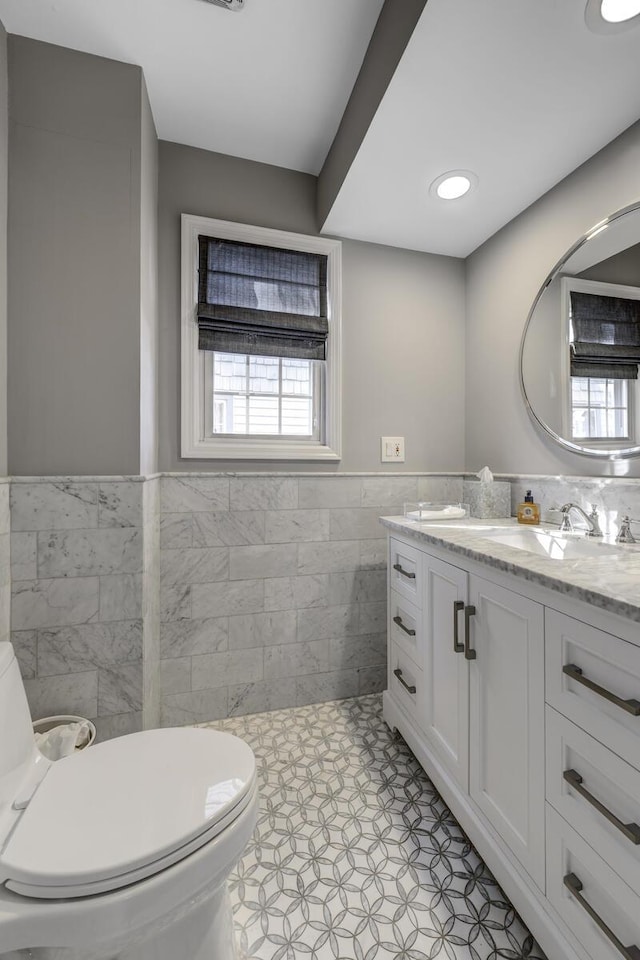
x=273 y=588
x=614 y=497
x=76 y=597
x=187 y=598
x=151 y=603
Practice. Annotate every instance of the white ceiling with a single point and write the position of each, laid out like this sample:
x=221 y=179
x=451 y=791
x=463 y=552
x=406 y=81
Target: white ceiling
x=268 y=83
x=518 y=91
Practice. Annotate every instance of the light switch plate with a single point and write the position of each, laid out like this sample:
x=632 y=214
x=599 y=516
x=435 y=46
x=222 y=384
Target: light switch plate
x=392 y=449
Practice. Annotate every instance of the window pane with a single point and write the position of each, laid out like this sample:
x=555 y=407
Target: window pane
x=618 y=423
x=263 y=415
x=598 y=392
x=597 y=422
x=620 y=393
x=263 y=396
x=296 y=377
x=263 y=374
x=580 y=422
x=297 y=416
x=580 y=391
x=229 y=371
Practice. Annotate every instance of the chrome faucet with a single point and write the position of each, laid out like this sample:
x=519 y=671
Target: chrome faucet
x=591 y=519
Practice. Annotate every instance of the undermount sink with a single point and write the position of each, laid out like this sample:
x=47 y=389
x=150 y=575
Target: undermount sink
x=554 y=545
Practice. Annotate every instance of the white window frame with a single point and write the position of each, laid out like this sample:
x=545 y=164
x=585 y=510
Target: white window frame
x=195 y=444
x=567 y=284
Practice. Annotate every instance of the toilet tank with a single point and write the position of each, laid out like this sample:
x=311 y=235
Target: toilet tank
x=16 y=734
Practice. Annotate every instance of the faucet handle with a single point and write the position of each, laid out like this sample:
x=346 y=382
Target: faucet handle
x=624 y=533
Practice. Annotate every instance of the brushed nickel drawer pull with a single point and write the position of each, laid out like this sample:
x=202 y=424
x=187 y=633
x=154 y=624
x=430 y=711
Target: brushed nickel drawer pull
x=469 y=611
x=574 y=886
x=408 y=687
x=630 y=830
x=458 y=647
x=399 y=623
x=629 y=706
x=405 y=573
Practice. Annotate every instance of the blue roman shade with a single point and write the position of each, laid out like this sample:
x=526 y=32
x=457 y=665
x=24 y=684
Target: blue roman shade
x=261 y=300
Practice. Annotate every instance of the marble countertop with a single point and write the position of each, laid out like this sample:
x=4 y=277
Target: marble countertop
x=611 y=582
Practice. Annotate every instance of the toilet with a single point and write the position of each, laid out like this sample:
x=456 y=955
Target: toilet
x=122 y=851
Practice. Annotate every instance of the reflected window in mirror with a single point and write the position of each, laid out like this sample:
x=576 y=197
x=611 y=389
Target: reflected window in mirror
x=600 y=408
x=602 y=324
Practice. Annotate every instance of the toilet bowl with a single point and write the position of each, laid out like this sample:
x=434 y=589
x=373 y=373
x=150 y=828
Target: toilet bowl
x=120 y=852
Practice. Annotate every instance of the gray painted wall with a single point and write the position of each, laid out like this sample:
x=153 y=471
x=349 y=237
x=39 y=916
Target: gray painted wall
x=403 y=319
x=74 y=262
x=503 y=277
x=4 y=157
x=148 y=288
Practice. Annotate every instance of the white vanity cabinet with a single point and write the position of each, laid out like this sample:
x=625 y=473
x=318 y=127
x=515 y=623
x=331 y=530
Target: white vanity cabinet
x=506 y=713
x=527 y=719
x=446 y=672
x=475 y=689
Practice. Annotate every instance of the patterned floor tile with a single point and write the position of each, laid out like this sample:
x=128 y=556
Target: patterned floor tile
x=356 y=856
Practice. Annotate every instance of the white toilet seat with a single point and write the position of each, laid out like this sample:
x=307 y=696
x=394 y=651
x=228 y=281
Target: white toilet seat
x=125 y=810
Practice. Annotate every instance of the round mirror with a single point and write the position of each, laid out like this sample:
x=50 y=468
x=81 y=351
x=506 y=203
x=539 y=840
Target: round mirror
x=580 y=351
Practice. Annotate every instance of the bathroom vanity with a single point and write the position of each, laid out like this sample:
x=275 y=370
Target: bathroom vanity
x=514 y=676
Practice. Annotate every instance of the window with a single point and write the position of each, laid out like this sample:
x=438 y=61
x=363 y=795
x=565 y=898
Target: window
x=260 y=343
x=600 y=408
x=603 y=335
x=266 y=396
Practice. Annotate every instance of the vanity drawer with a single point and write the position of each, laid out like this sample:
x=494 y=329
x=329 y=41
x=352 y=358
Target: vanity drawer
x=405 y=627
x=596 y=792
x=593 y=678
x=404 y=570
x=406 y=683
x=597 y=906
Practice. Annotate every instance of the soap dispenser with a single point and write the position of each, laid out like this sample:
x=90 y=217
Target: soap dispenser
x=528 y=511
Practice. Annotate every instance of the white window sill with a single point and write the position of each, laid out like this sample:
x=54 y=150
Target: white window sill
x=238 y=449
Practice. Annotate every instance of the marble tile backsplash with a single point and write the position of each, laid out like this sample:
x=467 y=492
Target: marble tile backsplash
x=614 y=497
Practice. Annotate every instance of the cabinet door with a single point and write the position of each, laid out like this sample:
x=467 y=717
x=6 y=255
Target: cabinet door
x=506 y=705
x=446 y=672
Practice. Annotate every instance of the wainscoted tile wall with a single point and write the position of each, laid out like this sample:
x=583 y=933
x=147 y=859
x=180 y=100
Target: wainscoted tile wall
x=193 y=597
x=151 y=603
x=273 y=589
x=76 y=597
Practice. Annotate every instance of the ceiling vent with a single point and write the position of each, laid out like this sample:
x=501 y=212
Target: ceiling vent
x=229 y=4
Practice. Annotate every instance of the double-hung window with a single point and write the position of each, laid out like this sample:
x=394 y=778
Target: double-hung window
x=604 y=356
x=260 y=343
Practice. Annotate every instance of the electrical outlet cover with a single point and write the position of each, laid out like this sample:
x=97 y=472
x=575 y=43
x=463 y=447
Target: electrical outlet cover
x=392 y=449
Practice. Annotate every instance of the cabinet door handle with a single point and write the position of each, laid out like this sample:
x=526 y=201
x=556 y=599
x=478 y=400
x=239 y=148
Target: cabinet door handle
x=630 y=830
x=458 y=605
x=405 y=573
x=574 y=886
x=629 y=706
x=408 y=687
x=399 y=623
x=469 y=611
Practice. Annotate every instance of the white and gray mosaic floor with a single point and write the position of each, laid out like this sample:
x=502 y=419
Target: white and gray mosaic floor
x=356 y=856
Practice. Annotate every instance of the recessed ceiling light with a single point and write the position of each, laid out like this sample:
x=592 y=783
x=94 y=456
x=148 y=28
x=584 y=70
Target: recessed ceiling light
x=615 y=11
x=453 y=184
x=612 y=16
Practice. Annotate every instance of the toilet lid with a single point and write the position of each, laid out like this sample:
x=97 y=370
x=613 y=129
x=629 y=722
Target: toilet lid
x=125 y=809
